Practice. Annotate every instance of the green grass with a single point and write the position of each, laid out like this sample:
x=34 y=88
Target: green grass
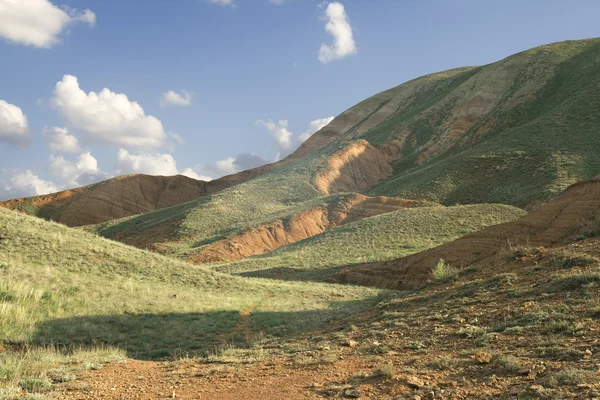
x=540 y=134
x=66 y=288
x=382 y=237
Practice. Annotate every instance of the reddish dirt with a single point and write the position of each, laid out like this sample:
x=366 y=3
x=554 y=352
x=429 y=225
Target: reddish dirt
x=356 y=167
x=573 y=213
x=447 y=341
x=130 y=195
x=115 y=198
x=271 y=236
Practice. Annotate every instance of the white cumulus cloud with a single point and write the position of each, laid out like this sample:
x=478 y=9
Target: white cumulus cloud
x=222 y=2
x=153 y=164
x=15 y=184
x=14 y=127
x=313 y=127
x=107 y=117
x=172 y=98
x=338 y=26
x=38 y=23
x=279 y=130
x=79 y=172
x=190 y=173
x=146 y=163
x=277 y=2
x=60 y=140
x=227 y=166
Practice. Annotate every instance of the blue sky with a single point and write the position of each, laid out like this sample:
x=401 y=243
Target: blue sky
x=245 y=67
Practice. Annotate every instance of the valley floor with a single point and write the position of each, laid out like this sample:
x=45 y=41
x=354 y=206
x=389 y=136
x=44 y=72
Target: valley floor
x=526 y=328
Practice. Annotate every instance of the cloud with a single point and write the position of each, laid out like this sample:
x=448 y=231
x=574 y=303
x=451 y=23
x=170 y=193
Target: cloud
x=338 y=26
x=227 y=166
x=277 y=2
x=60 y=140
x=38 y=23
x=153 y=164
x=285 y=140
x=23 y=184
x=279 y=131
x=172 y=98
x=146 y=163
x=190 y=173
x=14 y=127
x=313 y=127
x=246 y=161
x=84 y=170
x=222 y=2
x=107 y=117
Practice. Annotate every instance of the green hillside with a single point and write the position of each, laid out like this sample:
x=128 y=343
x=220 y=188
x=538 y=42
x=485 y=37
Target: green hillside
x=60 y=286
x=538 y=135
x=382 y=237
x=514 y=132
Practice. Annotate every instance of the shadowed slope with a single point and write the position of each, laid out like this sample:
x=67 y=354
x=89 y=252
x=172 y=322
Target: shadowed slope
x=574 y=213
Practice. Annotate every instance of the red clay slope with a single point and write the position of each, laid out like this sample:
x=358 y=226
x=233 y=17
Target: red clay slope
x=115 y=198
x=270 y=236
x=574 y=212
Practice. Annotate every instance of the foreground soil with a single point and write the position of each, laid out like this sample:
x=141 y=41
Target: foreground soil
x=527 y=327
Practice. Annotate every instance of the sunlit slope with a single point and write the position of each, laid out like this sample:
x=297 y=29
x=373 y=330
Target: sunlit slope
x=514 y=132
x=378 y=238
x=63 y=286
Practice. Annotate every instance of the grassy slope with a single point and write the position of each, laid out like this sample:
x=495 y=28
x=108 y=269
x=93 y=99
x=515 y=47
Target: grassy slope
x=63 y=286
x=276 y=195
x=382 y=237
x=539 y=138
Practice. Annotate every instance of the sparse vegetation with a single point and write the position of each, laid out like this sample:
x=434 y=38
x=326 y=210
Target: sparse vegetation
x=387 y=236
x=443 y=271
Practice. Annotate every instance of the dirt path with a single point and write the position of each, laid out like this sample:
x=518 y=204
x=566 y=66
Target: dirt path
x=274 y=379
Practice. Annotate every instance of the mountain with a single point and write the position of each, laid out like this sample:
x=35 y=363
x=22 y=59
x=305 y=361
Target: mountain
x=572 y=216
x=517 y=131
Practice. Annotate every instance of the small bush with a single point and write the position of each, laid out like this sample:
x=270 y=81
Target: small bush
x=558 y=353
x=443 y=364
x=572 y=377
x=65 y=378
x=564 y=326
x=384 y=371
x=472 y=332
x=568 y=259
x=443 y=270
x=507 y=364
x=513 y=330
x=576 y=281
x=36 y=385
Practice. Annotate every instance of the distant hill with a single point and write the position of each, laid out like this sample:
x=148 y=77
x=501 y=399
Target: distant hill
x=572 y=216
x=515 y=132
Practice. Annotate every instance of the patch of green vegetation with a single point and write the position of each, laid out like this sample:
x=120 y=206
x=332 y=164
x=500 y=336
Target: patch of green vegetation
x=577 y=281
x=537 y=138
x=71 y=288
x=443 y=271
x=382 y=237
x=572 y=377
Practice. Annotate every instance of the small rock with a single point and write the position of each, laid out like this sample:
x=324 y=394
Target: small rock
x=483 y=358
x=584 y=386
x=524 y=371
x=351 y=393
x=350 y=343
x=587 y=355
x=414 y=382
x=535 y=388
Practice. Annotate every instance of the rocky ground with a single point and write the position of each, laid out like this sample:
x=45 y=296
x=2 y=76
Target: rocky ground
x=529 y=328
